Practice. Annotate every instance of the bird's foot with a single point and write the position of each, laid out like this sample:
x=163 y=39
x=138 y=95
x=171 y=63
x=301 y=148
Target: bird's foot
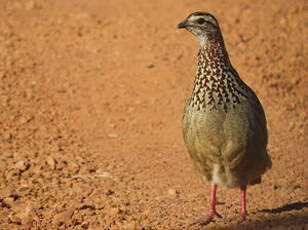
x=243 y=215
x=208 y=219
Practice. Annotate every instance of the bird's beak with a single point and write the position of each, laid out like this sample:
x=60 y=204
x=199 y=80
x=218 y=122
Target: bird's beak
x=181 y=25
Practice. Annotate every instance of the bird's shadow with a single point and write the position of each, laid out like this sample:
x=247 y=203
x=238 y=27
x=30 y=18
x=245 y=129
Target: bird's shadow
x=281 y=221
x=288 y=207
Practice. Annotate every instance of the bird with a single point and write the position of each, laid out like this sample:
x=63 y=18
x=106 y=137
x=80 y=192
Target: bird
x=224 y=124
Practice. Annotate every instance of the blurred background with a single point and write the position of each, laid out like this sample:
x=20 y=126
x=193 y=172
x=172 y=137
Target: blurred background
x=91 y=101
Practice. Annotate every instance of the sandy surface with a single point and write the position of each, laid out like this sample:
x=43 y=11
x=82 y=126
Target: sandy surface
x=92 y=95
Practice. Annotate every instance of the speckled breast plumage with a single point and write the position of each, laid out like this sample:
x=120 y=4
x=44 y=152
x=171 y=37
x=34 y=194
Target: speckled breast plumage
x=224 y=124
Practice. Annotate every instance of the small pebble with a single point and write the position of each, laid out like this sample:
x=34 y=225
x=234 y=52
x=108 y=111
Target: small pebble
x=22 y=165
x=51 y=162
x=172 y=192
x=113 y=135
x=104 y=175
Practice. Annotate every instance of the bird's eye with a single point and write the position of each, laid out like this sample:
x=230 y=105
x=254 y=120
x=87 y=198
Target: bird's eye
x=200 y=21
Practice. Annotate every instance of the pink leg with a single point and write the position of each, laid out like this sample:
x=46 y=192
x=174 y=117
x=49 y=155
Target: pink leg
x=243 y=201
x=212 y=210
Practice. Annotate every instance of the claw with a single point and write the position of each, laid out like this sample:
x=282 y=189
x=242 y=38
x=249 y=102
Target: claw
x=243 y=215
x=210 y=218
x=212 y=211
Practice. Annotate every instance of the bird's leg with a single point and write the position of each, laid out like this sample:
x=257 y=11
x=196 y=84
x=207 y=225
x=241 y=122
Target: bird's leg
x=212 y=210
x=243 y=202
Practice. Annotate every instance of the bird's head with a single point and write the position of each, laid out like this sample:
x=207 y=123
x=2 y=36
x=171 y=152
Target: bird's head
x=203 y=25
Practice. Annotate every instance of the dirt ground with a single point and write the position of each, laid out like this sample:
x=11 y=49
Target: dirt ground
x=92 y=95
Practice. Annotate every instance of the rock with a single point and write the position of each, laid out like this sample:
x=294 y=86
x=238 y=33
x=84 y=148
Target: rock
x=85 y=224
x=291 y=125
x=26 y=215
x=113 y=212
x=104 y=175
x=129 y=226
x=283 y=21
x=80 y=176
x=150 y=66
x=8 y=201
x=7 y=135
x=113 y=135
x=23 y=120
x=51 y=162
x=109 y=192
x=300 y=160
x=22 y=165
x=2 y=75
x=172 y=192
x=30 y=5
x=15 y=219
x=64 y=217
x=6 y=192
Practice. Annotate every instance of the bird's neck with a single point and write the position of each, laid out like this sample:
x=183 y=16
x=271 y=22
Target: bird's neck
x=213 y=60
x=216 y=81
x=213 y=47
